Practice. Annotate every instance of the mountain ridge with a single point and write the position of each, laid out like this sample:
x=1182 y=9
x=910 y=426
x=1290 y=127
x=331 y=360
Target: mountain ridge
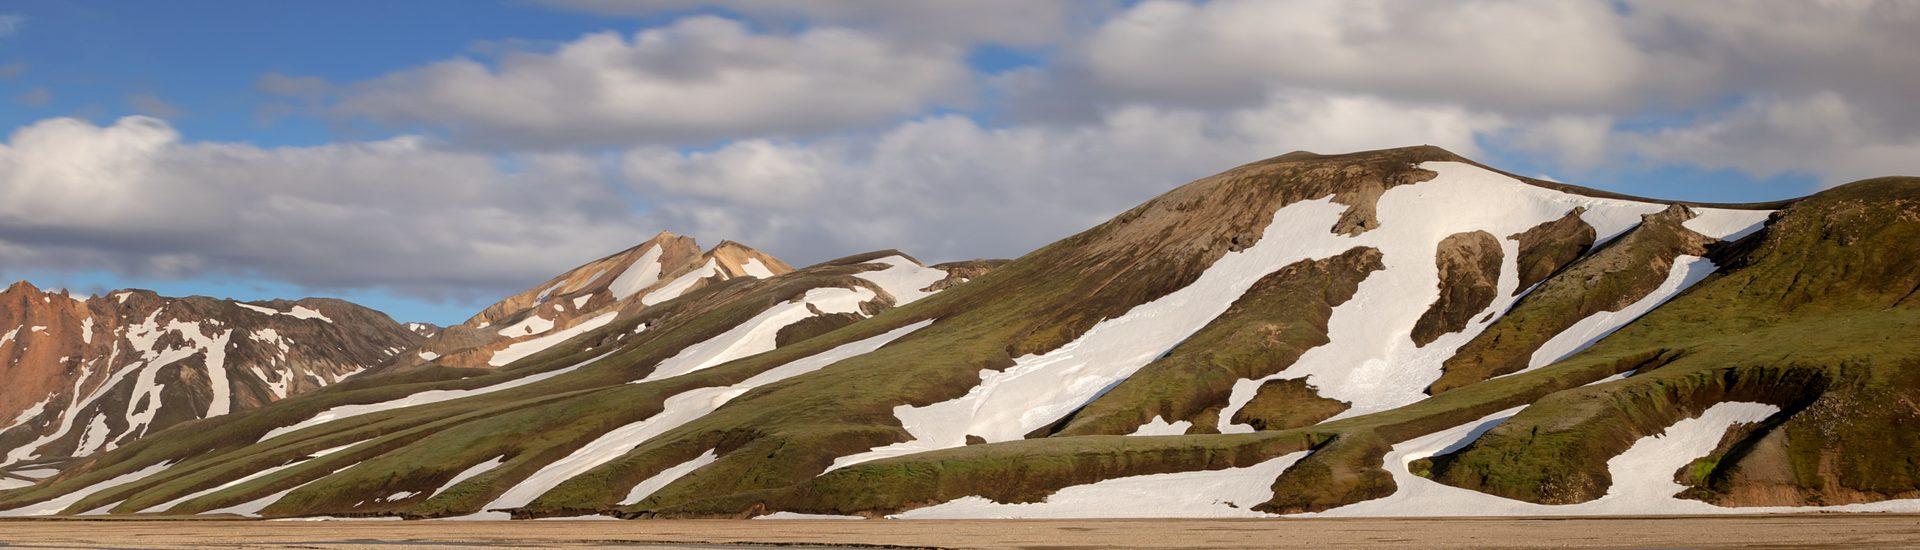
x=1376 y=333
x=87 y=374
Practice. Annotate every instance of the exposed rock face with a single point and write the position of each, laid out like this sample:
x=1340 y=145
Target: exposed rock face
x=1608 y=280
x=1469 y=276
x=1550 y=246
x=86 y=375
x=662 y=268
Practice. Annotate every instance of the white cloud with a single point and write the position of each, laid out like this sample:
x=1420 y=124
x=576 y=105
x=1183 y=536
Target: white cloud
x=1485 y=52
x=1017 y=22
x=1823 y=134
x=1577 y=142
x=701 y=78
x=10 y=24
x=403 y=213
x=945 y=187
x=1575 y=58
x=817 y=129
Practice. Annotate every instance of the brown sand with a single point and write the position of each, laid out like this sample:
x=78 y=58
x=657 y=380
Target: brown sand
x=1788 y=531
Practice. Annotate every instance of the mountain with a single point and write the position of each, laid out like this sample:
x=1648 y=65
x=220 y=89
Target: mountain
x=87 y=375
x=1394 y=332
x=660 y=269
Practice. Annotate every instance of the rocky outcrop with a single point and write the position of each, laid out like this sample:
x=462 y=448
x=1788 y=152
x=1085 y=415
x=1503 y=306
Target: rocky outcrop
x=1619 y=274
x=1469 y=266
x=88 y=374
x=1548 y=247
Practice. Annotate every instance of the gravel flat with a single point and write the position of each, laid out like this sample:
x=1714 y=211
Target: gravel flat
x=1784 y=531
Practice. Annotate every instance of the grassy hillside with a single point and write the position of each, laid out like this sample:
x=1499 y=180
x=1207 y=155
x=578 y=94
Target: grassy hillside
x=1813 y=314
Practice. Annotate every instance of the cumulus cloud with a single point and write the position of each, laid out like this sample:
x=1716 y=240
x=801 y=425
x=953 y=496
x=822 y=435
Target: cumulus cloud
x=945 y=187
x=1016 y=22
x=1486 y=52
x=1540 y=58
x=403 y=214
x=700 y=78
x=819 y=129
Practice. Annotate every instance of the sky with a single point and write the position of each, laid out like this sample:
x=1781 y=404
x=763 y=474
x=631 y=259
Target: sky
x=428 y=157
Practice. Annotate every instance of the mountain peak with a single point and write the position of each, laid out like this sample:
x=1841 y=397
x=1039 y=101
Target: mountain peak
x=22 y=285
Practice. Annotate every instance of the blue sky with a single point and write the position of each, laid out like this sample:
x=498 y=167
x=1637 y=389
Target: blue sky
x=426 y=157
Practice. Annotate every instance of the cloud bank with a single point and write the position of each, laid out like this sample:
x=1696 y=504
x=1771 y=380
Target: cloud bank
x=820 y=129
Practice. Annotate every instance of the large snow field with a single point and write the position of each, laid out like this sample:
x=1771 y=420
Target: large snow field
x=1226 y=493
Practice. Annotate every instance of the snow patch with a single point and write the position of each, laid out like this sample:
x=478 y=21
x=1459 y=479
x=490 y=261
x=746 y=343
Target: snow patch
x=94 y=437
x=471 y=471
x=903 y=279
x=36 y=473
x=197 y=494
x=252 y=508
x=533 y=324
x=800 y=516
x=677 y=411
x=1686 y=271
x=680 y=285
x=28 y=414
x=304 y=312
x=639 y=275
x=1227 y=493
x=54 y=506
x=298 y=311
x=525 y=348
x=422 y=398
x=1160 y=426
x=1727 y=224
x=753 y=268
x=758 y=334
x=647 y=487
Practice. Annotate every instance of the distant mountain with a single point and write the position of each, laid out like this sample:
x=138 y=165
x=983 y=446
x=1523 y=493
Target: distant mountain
x=87 y=375
x=589 y=296
x=1394 y=332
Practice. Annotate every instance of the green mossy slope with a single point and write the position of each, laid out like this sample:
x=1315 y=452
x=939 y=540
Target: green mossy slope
x=1816 y=316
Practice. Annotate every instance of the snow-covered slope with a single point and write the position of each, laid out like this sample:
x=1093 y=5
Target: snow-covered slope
x=1398 y=332
x=87 y=375
x=584 y=298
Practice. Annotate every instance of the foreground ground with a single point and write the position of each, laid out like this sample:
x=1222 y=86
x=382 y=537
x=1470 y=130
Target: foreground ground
x=1787 y=531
